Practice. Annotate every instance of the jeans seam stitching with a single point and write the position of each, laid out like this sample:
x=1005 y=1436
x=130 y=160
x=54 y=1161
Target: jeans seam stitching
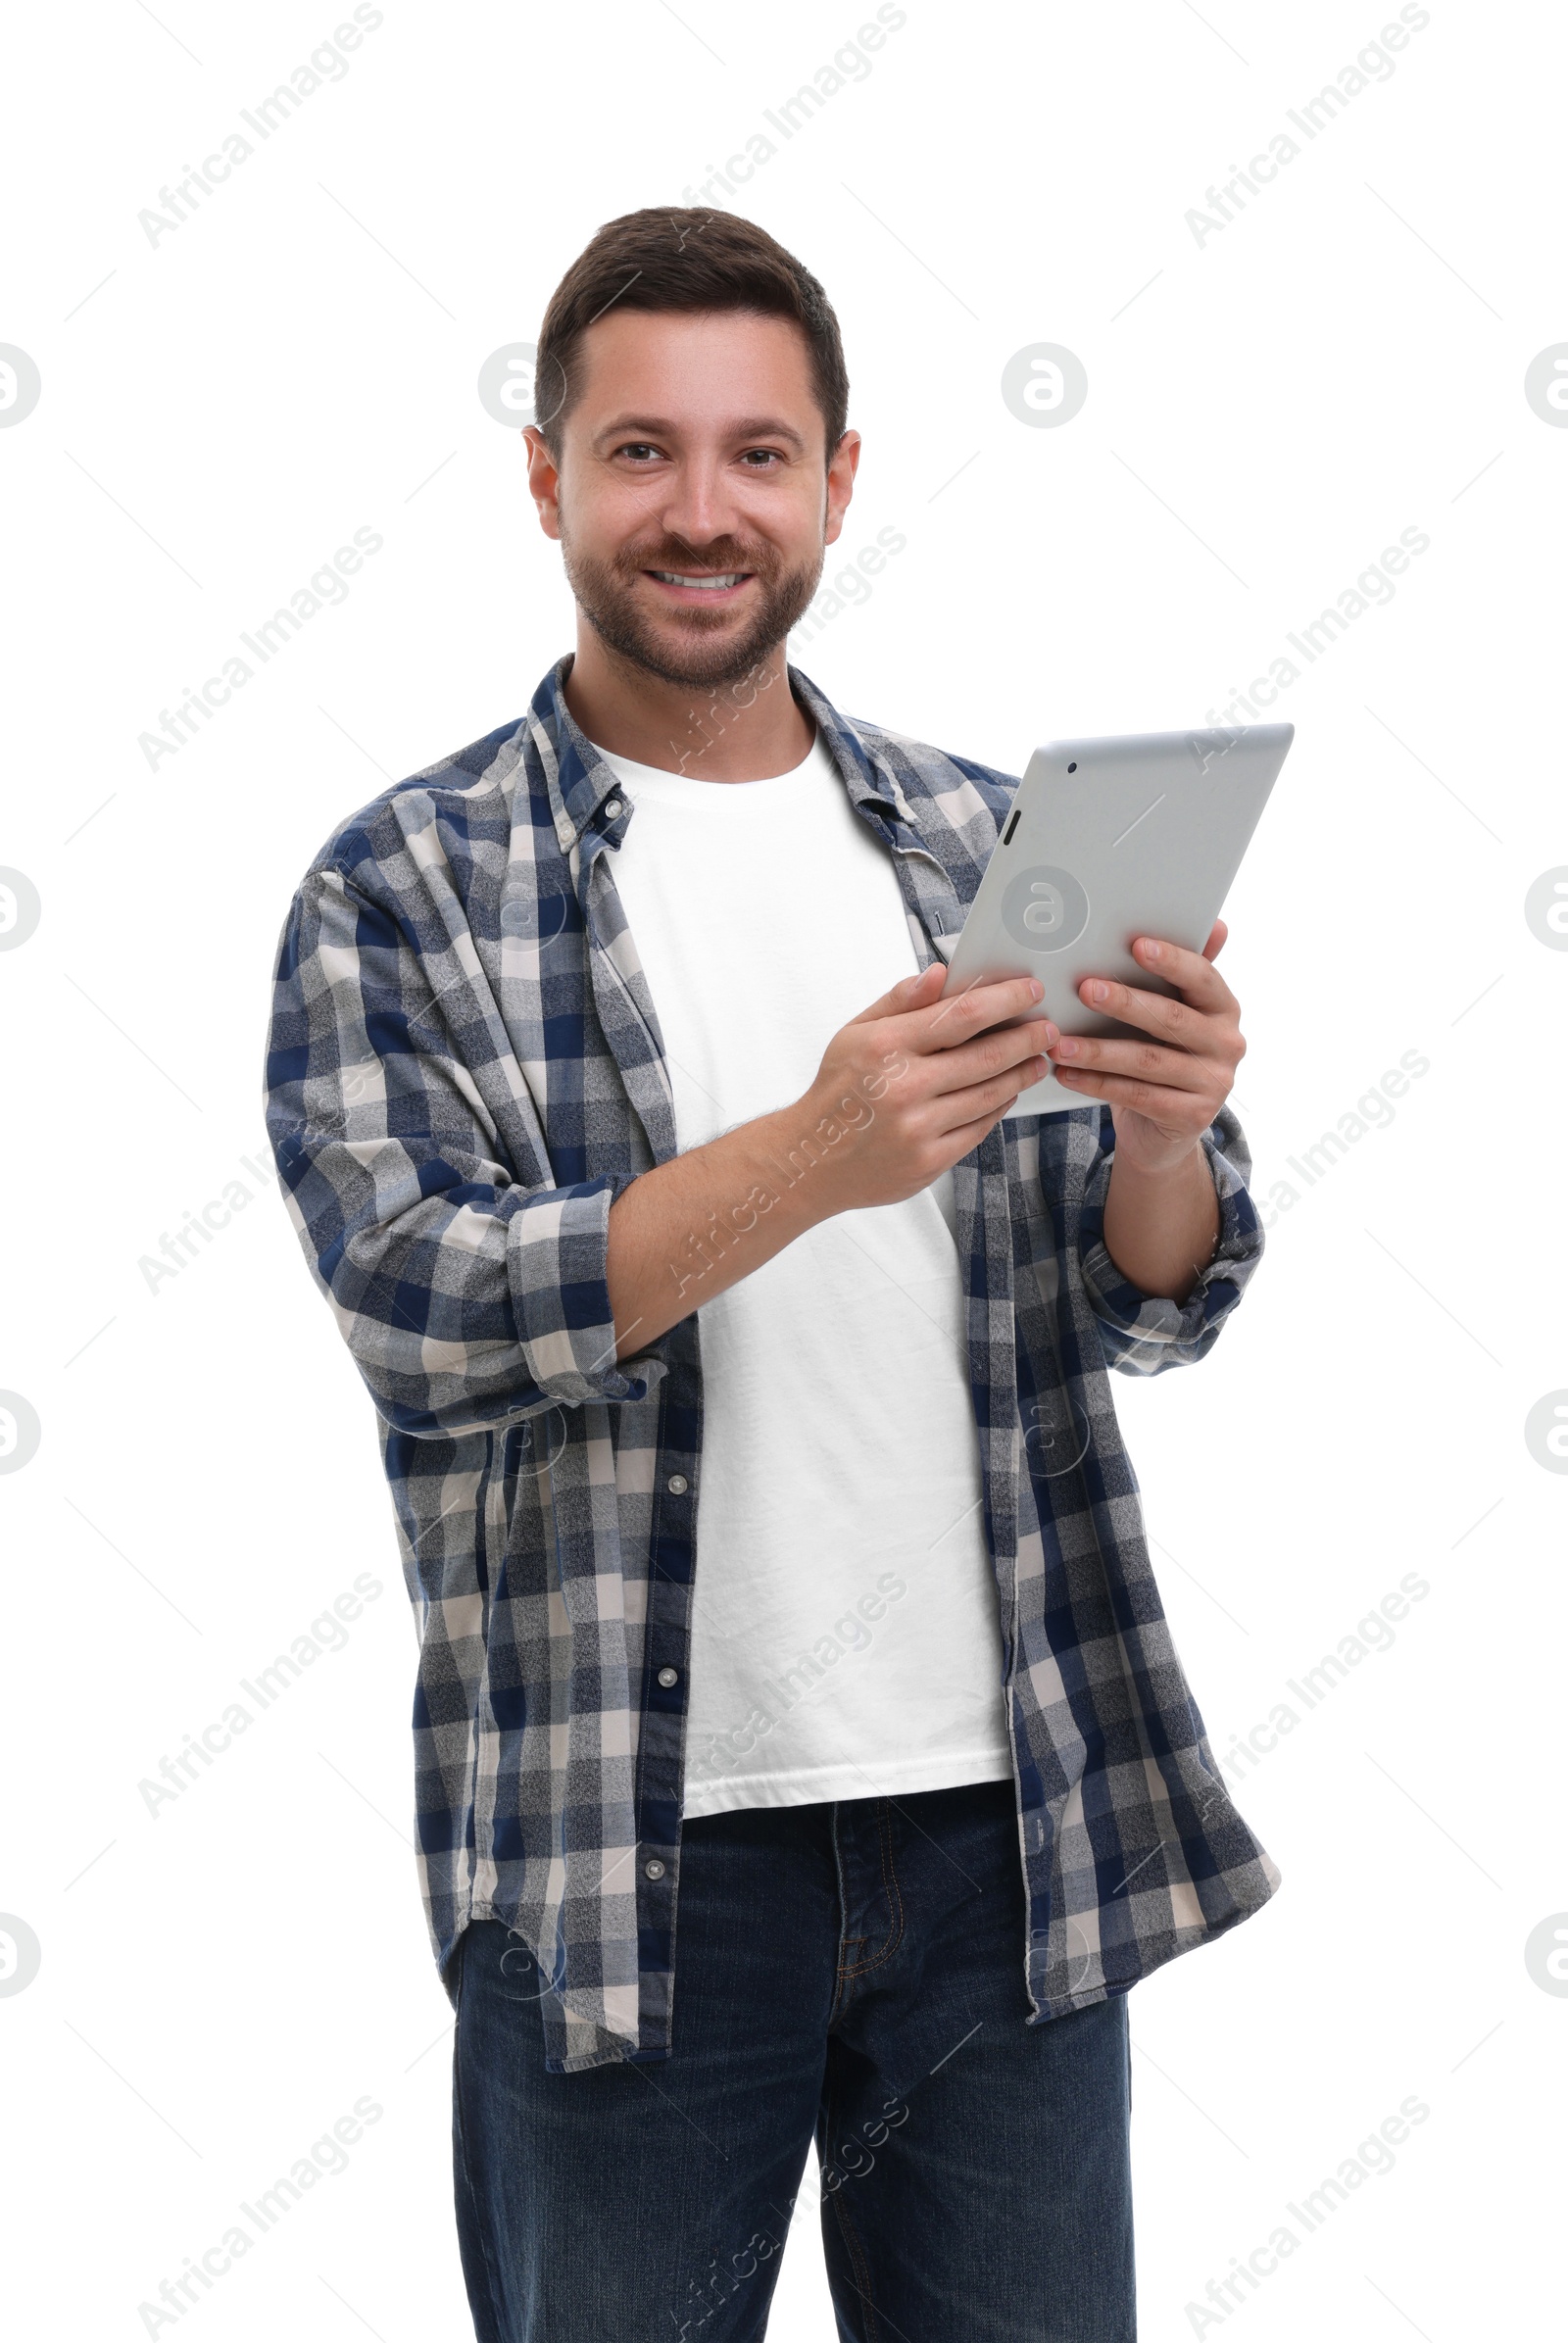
x=857 y=2254
x=890 y=1882
x=474 y=2209
x=844 y=1914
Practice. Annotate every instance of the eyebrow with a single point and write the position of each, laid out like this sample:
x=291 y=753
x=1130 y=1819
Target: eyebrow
x=661 y=427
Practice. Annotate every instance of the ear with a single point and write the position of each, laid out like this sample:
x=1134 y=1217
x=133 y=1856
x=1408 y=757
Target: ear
x=544 y=481
x=841 y=471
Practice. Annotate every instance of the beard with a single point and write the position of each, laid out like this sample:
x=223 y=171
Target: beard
x=695 y=649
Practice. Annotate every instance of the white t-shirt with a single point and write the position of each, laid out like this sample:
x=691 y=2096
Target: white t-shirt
x=846 y=1639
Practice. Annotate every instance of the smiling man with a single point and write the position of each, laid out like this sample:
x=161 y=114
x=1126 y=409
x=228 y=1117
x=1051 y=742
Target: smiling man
x=801 y=1746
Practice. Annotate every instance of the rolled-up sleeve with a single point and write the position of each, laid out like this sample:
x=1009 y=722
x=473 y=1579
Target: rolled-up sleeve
x=467 y=1299
x=1142 y=1333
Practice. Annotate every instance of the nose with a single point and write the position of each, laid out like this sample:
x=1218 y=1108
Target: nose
x=700 y=507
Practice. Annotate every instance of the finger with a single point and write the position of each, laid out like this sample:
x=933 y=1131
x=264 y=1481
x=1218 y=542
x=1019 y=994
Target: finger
x=1173 y=1109
x=910 y=991
x=1217 y=940
x=969 y=1135
x=990 y=1055
x=958 y=1016
x=1196 y=978
x=1140 y=1061
x=1206 y=1034
x=982 y=1102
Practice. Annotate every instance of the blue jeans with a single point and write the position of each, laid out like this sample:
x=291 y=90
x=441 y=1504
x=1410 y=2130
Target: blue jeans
x=853 y=1971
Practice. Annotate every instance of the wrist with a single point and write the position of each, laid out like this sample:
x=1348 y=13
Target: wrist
x=1168 y=1165
x=780 y=1166
x=1161 y=1227
x=800 y=1156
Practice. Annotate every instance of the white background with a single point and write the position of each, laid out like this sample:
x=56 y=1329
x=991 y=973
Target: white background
x=1267 y=410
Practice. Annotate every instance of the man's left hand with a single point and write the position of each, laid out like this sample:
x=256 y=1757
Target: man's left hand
x=1163 y=1093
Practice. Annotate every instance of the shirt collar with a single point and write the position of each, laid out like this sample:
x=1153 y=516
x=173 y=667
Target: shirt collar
x=582 y=780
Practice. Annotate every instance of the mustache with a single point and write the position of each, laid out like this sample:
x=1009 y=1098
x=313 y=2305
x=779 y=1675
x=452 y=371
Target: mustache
x=673 y=553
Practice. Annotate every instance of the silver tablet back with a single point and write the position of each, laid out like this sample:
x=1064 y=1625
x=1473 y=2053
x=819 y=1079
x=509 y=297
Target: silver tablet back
x=1107 y=840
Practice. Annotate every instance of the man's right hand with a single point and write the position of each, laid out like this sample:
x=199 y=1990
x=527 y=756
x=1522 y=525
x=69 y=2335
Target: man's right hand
x=903 y=1089
x=916 y=1081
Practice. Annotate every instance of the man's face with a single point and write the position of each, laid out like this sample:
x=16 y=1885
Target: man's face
x=694 y=499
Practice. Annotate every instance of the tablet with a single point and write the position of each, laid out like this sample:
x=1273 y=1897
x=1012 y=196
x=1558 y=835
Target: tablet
x=1107 y=840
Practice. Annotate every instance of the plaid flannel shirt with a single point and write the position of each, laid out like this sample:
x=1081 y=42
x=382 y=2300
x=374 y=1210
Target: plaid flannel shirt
x=464 y=1070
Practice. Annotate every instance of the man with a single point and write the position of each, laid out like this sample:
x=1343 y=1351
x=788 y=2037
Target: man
x=800 y=1744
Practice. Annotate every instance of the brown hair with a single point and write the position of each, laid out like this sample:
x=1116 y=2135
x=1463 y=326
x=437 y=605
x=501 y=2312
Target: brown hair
x=684 y=260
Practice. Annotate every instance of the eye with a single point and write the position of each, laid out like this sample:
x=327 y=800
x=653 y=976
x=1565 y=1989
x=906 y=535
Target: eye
x=639 y=449
x=762 y=459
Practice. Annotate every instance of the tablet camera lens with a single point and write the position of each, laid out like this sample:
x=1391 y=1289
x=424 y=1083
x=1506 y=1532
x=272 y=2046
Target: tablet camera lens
x=1073 y=767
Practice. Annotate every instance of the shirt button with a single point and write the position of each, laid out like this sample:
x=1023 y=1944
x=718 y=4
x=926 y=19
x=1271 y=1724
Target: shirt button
x=654 y=1869
x=612 y=807
x=677 y=1485
x=668 y=1676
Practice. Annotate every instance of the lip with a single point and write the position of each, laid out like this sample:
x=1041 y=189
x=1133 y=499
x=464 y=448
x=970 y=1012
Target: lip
x=701 y=598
